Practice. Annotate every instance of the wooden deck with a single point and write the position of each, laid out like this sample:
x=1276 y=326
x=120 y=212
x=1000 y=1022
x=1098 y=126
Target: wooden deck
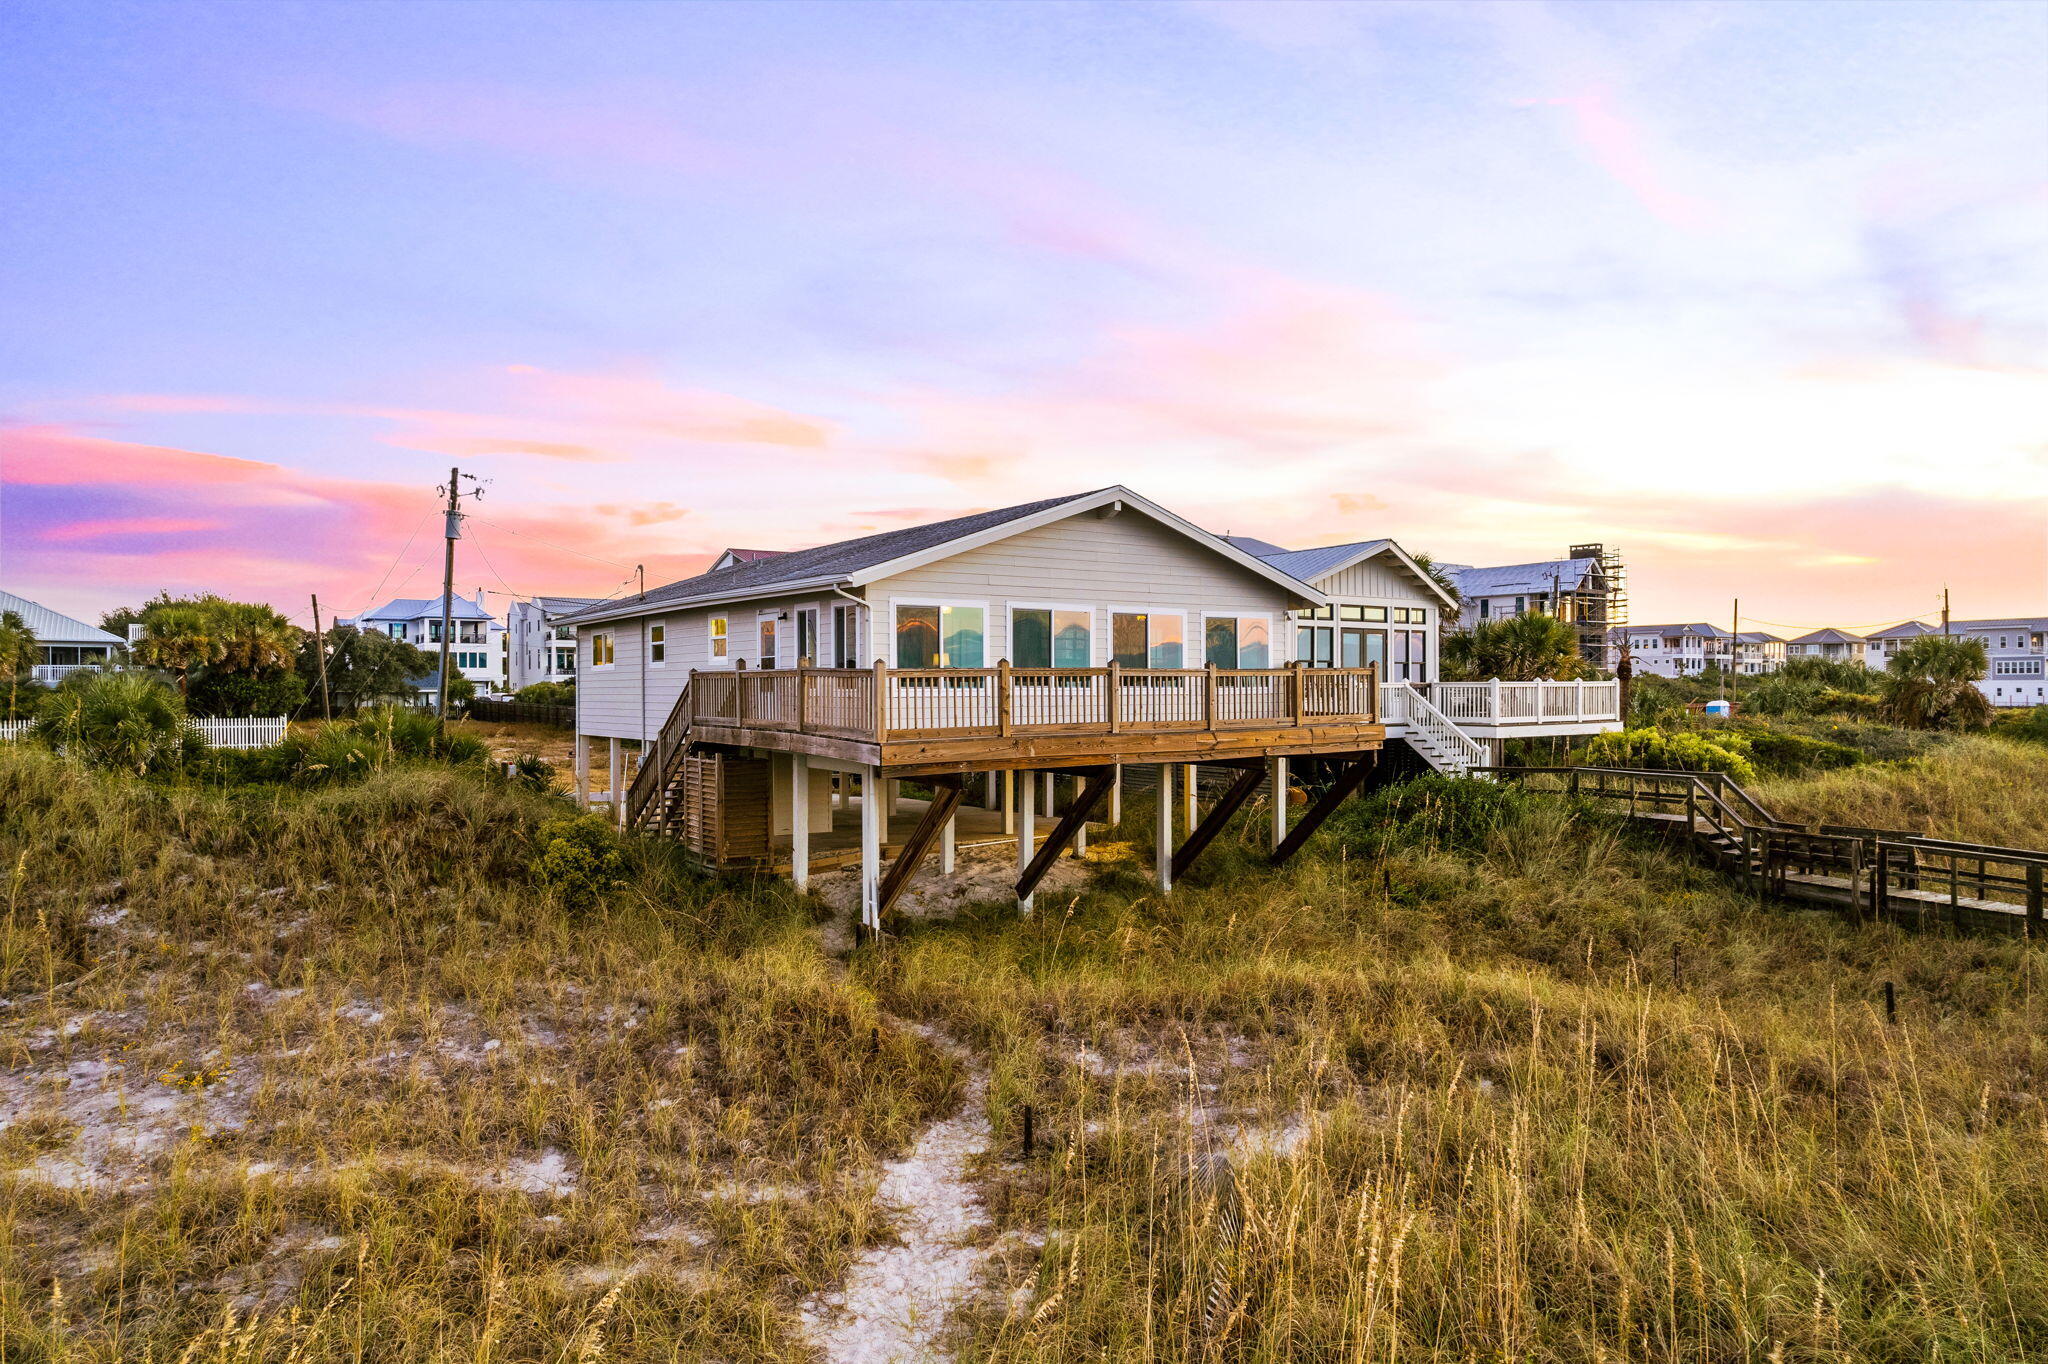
x=933 y=721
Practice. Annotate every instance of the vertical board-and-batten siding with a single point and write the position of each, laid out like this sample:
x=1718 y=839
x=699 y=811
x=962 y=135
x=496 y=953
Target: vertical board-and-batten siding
x=1382 y=581
x=1104 y=563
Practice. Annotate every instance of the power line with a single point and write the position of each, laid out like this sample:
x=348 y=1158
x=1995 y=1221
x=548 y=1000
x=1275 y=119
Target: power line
x=379 y=588
x=595 y=558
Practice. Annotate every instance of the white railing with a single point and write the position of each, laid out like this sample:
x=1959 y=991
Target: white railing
x=259 y=732
x=50 y=674
x=1403 y=706
x=1526 y=703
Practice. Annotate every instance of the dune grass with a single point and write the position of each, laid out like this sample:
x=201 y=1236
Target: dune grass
x=1977 y=788
x=1546 y=1095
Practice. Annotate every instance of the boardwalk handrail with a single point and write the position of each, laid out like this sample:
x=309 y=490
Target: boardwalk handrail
x=1881 y=869
x=879 y=704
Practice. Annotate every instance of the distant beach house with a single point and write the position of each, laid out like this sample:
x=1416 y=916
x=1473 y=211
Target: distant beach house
x=1758 y=652
x=538 y=647
x=478 y=650
x=66 y=645
x=1586 y=589
x=2018 y=650
x=1879 y=648
x=1837 y=646
x=1677 y=650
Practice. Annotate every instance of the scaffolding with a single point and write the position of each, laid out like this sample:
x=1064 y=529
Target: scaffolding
x=1600 y=604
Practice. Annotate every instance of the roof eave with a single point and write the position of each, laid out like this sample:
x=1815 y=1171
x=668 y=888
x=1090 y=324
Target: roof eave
x=628 y=610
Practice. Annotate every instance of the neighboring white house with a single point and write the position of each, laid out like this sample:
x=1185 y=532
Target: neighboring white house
x=1584 y=589
x=540 y=648
x=66 y=645
x=478 y=650
x=2018 y=651
x=1879 y=648
x=1838 y=646
x=1677 y=650
x=1758 y=652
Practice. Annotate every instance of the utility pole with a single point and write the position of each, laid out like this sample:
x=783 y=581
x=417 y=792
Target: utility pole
x=1734 y=647
x=1944 y=611
x=320 y=652
x=453 y=531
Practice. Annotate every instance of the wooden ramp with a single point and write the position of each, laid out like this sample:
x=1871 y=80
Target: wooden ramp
x=1868 y=873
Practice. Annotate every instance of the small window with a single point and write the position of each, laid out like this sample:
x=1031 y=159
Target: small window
x=657 y=644
x=1357 y=612
x=601 y=649
x=718 y=637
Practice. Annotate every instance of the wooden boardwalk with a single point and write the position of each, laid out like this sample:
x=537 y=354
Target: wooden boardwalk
x=1890 y=874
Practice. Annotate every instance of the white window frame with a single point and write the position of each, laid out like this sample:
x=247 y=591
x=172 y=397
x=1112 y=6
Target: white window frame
x=657 y=649
x=754 y=650
x=1272 y=633
x=611 y=645
x=713 y=641
x=987 y=617
x=1096 y=643
x=1109 y=636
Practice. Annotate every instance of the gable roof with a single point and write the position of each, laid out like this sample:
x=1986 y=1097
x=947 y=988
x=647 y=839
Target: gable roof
x=1905 y=629
x=551 y=607
x=729 y=557
x=1830 y=635
x=54 y=627
x=1523 y=578
x=2029 y=623
x=868 y=557
x=1311 y=564
x=1759 y=637
x=1698 y=627
x=417 y=608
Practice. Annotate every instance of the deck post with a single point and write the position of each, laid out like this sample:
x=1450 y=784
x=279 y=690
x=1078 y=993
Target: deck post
x=881 y=706
x=947 y=837
x=1009 y=803
x=1051 y=801
x=1187 y=797
x=1116 y=797
x=583 y=771
x=870 y=848
x=1003 y=697
x=893 y=792
x=611 y=777
x=1112 y=703
x=1209 y=694
x=739 y=692
x=2036 y=906
x=1027 y=827
x=1277 y=784
x=800 y=820
x=1162 y=831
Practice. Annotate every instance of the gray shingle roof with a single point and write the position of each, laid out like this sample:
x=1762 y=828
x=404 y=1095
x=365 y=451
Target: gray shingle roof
x=1830 y=635
x=1759 y=637
x=833 y=561
x=1310 y=564
x=1523 y=578
x=54 y=627
x=2006 y=623
x=1906 y=629
x=551 y=607
x=1698 y=627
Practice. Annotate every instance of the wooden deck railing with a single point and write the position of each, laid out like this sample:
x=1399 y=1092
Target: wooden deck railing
x=879 y=703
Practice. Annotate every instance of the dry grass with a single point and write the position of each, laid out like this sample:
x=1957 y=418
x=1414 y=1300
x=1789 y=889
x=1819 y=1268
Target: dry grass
x=1980 y=789
x=1471 y=1113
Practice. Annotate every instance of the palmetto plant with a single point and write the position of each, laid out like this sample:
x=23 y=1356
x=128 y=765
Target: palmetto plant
x=180 y=639
x=1517 y=649
x=253 y=637
x=19 y=654
x=1931 y=683
x=129 y=721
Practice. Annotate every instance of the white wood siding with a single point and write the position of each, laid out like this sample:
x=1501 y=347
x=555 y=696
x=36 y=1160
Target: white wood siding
x=1382 y=581
x=1118 y=562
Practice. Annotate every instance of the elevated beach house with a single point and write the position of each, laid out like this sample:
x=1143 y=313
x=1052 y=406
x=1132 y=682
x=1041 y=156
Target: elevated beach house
x=779 y=701
x=63 y=645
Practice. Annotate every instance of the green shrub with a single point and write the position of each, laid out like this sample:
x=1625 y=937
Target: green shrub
x=1432 y=811
x=276 y=692
x=345 y=750
x=2029 y=726
x=547 y=694
x=125 y=720
x=531 y=771
x=1657 y=750
x=1779 y=754
x=580 y=861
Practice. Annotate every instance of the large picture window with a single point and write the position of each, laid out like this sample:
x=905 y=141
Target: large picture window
x=1238 y=641
x=1148 y=639
x=1052 y=636
x=941 y=636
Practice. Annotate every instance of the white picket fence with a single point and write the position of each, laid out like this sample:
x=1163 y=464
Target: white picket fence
x=257 y=732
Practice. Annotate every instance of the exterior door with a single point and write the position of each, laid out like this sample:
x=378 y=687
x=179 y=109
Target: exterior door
x=807 y=637
x=767 y=656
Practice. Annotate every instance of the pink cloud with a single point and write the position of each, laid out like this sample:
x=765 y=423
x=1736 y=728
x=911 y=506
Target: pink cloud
x=1619 y=146
x=127 y=525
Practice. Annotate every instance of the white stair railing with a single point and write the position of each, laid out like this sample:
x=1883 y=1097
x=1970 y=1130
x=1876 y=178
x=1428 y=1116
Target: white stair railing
x=1449 y=748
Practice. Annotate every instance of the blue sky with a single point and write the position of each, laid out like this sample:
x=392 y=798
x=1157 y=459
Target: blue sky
x=1757 y=291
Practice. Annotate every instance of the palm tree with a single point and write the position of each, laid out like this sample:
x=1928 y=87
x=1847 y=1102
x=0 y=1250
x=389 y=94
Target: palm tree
x=1449 y=615
x=1517 y=649
x=1931 y=683
x=253 y=637
x=180 y=638
x=124 y=720
x=19 y=654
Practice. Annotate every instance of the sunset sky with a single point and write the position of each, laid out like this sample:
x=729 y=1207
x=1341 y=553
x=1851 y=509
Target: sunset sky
x=1757 y=292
